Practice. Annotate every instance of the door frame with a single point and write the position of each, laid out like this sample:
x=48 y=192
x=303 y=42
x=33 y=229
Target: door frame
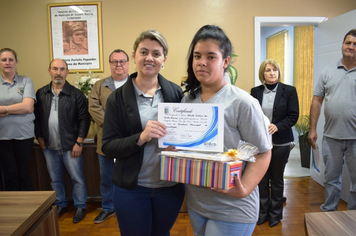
x=278 y=21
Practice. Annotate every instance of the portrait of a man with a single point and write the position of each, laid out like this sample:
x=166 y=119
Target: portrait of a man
x=75 y=40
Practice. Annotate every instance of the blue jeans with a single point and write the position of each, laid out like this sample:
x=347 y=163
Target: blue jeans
x=56 y=162
x=203 y=226
x=147 y=211
x=334 y=151
x=106 y=185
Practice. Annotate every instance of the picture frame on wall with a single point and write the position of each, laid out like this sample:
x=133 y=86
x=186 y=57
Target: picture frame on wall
x=75 y=35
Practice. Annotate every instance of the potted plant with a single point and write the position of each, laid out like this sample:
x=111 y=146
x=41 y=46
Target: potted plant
x=302 y=127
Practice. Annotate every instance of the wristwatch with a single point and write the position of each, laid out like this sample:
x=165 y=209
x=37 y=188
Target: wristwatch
x=80 y=144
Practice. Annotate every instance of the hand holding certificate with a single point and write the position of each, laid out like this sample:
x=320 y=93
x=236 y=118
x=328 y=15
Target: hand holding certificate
x=194 y=127
x=153 y=129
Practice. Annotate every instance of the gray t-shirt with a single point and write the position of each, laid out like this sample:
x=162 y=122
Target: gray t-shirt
x=244 y=120
x=16 y=126
x=54 y=139
x=337 y=86
x=149 y=173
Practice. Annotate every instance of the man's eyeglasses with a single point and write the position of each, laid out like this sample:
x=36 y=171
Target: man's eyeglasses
x=121 y=62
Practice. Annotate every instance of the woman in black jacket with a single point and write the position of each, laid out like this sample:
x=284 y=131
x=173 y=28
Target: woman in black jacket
x=280 y=104
x=144 y=204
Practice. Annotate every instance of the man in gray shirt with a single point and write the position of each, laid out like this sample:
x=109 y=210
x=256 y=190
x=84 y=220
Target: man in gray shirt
x=61 y=125
x=337 y=84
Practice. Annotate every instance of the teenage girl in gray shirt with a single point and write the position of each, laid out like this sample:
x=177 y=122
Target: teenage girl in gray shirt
x=235 y=211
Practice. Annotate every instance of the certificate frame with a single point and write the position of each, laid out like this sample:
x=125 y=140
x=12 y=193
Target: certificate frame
x=75 y=35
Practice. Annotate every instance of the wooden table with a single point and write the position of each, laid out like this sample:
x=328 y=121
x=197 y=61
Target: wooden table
x=28 y=213
x=331 y=223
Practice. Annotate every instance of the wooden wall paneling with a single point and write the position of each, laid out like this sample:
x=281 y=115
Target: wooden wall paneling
x=92 y=171
x=41 y=180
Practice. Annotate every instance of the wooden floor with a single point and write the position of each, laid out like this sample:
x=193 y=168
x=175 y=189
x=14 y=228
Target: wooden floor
x=303 y=195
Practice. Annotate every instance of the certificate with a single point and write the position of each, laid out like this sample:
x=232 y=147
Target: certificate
x=194 y=127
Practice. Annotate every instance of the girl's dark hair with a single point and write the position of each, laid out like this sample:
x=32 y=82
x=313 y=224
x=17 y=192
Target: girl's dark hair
x=207 y=32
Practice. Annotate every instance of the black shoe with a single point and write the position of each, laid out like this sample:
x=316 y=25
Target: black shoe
x=261 y=221
x=61 y=210
x=79 y=215
x=284 y=199
x=103 y=216
x=273 y=223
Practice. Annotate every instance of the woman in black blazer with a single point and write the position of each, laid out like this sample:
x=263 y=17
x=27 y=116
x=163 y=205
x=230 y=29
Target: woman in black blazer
x=280 y=104
x=144 y=204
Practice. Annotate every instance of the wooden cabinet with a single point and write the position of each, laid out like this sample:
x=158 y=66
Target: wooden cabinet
x=41 y=180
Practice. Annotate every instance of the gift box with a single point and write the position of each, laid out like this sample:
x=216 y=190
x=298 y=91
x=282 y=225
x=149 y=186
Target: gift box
x=207 y=173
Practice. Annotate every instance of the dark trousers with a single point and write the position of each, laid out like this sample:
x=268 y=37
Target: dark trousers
x=272 y=185
x=15 y=156
x=147 y=211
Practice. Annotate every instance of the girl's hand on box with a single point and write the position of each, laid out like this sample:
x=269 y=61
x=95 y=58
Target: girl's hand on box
x=238 y=191
x=252 y=175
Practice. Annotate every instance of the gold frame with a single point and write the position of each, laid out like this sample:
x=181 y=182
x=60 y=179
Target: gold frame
x=63 y=18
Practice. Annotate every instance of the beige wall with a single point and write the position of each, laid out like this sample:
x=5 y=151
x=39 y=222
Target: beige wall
x=24 y=28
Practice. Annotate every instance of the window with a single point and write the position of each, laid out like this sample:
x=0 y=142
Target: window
x=304 y=66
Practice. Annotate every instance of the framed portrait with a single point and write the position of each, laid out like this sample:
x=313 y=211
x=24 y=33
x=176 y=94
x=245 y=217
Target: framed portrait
x=75 y=35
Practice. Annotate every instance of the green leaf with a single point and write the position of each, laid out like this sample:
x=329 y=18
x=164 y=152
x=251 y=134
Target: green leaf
x=302 y=126
x=232 y=73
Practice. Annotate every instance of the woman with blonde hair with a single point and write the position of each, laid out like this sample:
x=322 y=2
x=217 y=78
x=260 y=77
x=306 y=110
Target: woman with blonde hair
x=279 y=103
x=17 y=98
x=144 y=204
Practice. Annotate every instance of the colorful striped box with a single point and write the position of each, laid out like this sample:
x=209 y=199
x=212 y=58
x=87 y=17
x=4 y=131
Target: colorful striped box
x=214 y=174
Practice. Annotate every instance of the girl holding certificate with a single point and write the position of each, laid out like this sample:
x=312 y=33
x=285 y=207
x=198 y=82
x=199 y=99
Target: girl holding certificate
x=144 y=204
x=234 y=211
